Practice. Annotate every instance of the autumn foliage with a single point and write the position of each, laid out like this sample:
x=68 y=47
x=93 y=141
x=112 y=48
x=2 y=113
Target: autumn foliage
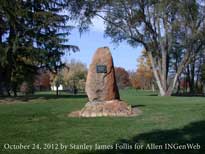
x=122 y=77
x=143 y=77
x=42 y=81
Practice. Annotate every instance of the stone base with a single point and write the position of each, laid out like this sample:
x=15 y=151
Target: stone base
x=107 y=108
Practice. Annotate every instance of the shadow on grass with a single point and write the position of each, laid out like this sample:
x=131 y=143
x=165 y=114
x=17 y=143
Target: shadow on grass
x=188 y=95
x=192 y=133
x=140 y=105
x=181 y=95
x=42 y=96
x=153 y=95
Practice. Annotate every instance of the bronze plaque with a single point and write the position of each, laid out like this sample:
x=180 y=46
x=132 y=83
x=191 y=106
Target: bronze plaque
x=101 y=68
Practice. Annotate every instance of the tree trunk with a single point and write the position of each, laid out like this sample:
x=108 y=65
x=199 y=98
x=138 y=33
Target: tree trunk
x=153 y=88
x=159 y=84
x=178 y=86
x=1 y=82
x=1 y=90
x=192 y=74
x=8 y=91
x=161 y=90
x=161 y=75
x=172 y=85
x=204 y=87
x=57 y=91
x=164 y=70
x=15 y=92
x=188 y=79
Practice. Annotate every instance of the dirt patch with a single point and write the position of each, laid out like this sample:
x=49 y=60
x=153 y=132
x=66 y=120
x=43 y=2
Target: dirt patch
x=16 y=100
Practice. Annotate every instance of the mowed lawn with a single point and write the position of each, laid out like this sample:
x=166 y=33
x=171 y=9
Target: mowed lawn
x=43 y=119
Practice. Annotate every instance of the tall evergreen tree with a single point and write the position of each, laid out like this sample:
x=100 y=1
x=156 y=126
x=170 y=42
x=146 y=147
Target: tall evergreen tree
x=34 y=34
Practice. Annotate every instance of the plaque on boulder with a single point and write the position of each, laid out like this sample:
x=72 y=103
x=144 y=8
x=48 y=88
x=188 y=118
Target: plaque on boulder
x=101 y=68
x=102 y=90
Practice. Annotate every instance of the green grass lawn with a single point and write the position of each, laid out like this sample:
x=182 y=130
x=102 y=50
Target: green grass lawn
x=42 y=119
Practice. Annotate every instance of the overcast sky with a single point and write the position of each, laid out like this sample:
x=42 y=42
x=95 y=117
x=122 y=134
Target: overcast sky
x=123 y=55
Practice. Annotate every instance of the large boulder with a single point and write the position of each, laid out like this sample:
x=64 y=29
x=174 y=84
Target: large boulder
x=102 y=91
x=101 y=86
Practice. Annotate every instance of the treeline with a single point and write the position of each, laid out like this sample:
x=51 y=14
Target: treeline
x=71 y=78
x=191 y=81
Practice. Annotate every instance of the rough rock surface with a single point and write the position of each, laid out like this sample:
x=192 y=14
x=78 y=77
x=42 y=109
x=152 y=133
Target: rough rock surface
x=106 y=108
x=101 y=86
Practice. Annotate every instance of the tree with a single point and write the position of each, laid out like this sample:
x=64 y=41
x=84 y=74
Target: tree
x=24 y=88
x=56 y=80
x=34 y=36
x=190 y=79
x=74 y=75
x=42 y=80
x=122 y=77
x=134 y=80
x=159 y=26
x=144 y=72
x=200 y=60
x=203 y=77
